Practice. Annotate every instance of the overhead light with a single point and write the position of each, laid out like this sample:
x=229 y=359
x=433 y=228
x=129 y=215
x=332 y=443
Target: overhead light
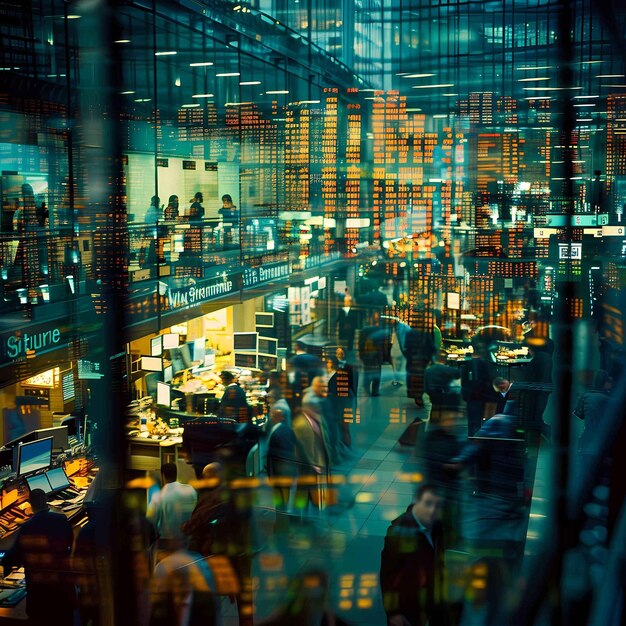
x=585 y=97
x=590 y=104
x=250 y=82
x=236 y=104
x=612 y=86
x=440 y=116
x=539 y=98
x=122 y=41
x=418 y=75
x=189 y=106
x=433 y=86
x=413 y=110
x=142 y=99
x=277 y=92
x=528 y=80
x=73 y=17
x=201 y=64
x=203 y=95
x=450 y=95
x=165 y=53
x=551 y=88
x=308 y=102
x=177 y=82
x=591 y=62
x=228 y=74
x=126 y=93
x=530 y=69
x=610 y=76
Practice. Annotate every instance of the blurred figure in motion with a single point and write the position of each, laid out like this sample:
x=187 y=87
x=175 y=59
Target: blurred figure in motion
x=182 y=591
x=439 y=383
x=591 y=408
x=212 y=506
x=347 y=385
x=302 y=368
x=281 y=463
x=276 y=402
x=172 y=506
x=42 y=547
x=412 y=568
x=476 y=377
x=347 y=323
x=307 y=603
x=171 y=210
x=372 y=349
x=234 y=402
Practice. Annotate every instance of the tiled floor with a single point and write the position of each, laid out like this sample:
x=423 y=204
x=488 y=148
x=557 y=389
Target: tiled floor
x=347 y=542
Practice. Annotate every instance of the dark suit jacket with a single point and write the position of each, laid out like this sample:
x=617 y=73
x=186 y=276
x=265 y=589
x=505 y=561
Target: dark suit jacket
x=281 y=452
x=347 y=323
x=411 y=572
x=373 y=342
x=42 y=547
x=234 y=404
x=476 y=378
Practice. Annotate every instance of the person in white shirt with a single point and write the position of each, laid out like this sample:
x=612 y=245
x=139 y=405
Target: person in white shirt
x=173 y=505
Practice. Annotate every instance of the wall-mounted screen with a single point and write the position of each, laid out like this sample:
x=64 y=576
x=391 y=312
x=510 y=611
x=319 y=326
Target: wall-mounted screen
x=151 y=363
x=245 y=342
x=170 y=340
x=163 y=395
x=267 y=363
x=264 y=320
x=268 y=345
x=168 y=374
x=156 y=346
x=245 y=360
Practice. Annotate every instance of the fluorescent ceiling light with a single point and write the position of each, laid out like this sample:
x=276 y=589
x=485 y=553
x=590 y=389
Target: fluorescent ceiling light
x=551 y=88
x=433 y=86
x=590 y=104
x=308 y=102
x=418 y=75
x=165 y=53
x=610 y=76
x=122 y=41
x=413 y=110
x=203 y=95
x=449 y=95
x=73 y=17
x=201 y=64
x=277 y=91
x=591 y=62
x=530 y=69
x=440 y=116
x=189 y=106
x=142 y=99
x=126 y=93
x=228 y=74
x=528 y=80
x=612 y=86
x=585 y=97
x=250 y=82
x=236 y=104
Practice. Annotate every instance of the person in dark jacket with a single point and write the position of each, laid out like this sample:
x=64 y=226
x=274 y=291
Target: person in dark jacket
x=347 y=323
x=282 y=467
x=476 y=389
x=411 y=568
x=43 y=546
x=302 y=368
x=373 y=341
x=196 y=210
x=234 y=403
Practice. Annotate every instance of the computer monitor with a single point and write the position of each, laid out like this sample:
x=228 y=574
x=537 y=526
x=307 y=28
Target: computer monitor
x=245 y=342
x=39 y=481
x=34 y=456
x=163 y=395
x=152 y=381
x=171 y=340
x=199 y=349
x=246 y=360
x=59 y=436
x=168 y=374
x=57 y=478
x=264 y=320
x=156 y=346
x=268 y=345
x=151 y=363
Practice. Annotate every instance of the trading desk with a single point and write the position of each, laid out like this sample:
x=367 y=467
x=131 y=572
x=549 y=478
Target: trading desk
x=15 y=509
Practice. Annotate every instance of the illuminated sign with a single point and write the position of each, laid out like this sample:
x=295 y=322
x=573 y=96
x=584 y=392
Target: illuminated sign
x=22 y=343
x=197 y=293
x=45 y=379
x=255 y=275
x=572 y=251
